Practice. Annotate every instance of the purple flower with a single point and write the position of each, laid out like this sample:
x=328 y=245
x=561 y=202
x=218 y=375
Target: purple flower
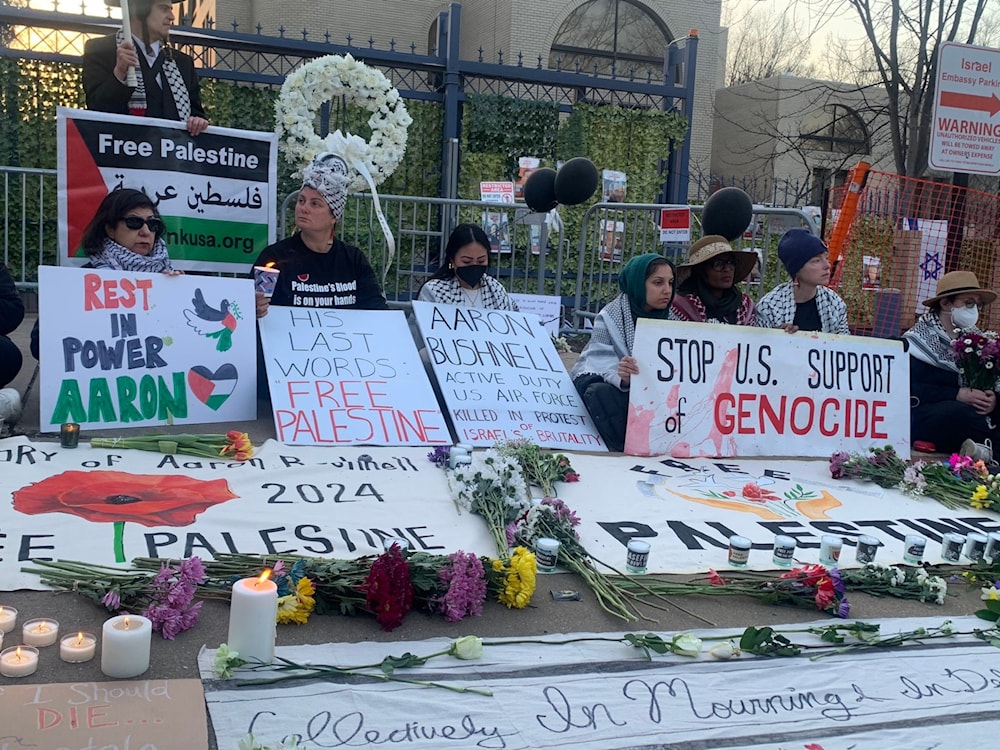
x=843 y=608
x=561 y=511
x=510 y=531
x=837 y=462
x=112 y=600
x=439 y=456
x=192 y=571
x=466 y=587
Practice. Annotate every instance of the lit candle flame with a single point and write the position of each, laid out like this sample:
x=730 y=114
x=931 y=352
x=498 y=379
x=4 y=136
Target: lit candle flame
x=17 y=654
x=270 y=264
x=263 y=577
x=41 y=627
x=79 y=638
x=125 y=623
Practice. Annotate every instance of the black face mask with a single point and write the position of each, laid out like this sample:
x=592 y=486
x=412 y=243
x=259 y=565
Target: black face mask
x=471 y=275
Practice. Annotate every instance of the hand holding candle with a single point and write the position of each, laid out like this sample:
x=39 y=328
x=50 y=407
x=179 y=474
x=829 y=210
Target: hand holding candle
x=253 y=618
x=125 y=642
x=265 y=278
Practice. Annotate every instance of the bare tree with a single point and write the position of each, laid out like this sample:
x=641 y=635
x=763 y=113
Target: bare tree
x=762 y=45
x=902 y=40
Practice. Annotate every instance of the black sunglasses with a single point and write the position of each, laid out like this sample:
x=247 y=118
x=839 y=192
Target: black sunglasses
x=136 y=222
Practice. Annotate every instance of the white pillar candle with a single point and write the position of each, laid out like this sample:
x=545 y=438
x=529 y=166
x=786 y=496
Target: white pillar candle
x=42 y=631
x=125 y=641
x=8 y=618
x=77 y=648
x=18 y=661
x=253 y=618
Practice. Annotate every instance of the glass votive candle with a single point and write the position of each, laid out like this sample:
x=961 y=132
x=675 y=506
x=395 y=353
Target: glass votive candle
x=8 y=618
x=42 y=631
x=69 y=435
x=78 y=648
x=546 y=554
x=395 y=541
x=18 y=661
x=829 y=549
x=739 y=551
x=637 y=556
x=975 y=546
x=265 y=279
x=951 y=546
x=867 y=549
x=784 y=551
x=992 y=553
x=913 y=549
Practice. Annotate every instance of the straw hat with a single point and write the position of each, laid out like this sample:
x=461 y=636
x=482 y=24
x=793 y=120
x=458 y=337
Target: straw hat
x=960 y=282
x=710 y=246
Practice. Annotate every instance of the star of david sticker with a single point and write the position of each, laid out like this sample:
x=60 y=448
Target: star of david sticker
x=931 y=265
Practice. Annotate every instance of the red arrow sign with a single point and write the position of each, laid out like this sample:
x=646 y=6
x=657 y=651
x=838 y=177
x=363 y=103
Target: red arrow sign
x=989 y=103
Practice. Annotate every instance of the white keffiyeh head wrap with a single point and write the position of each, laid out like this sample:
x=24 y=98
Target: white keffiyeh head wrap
x=328 y=174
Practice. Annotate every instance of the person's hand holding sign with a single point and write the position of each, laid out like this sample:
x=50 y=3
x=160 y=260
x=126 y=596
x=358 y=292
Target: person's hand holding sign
x=626 y=369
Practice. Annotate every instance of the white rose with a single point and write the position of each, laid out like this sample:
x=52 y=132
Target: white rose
x=467 y=647
x=725 y=650
x=686 y=644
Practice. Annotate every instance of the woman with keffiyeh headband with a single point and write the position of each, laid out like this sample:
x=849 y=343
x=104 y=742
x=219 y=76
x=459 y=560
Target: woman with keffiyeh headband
x=604 y=371
x=166 y=81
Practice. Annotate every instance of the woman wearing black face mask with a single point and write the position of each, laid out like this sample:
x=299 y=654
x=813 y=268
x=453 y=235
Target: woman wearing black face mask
x=462 y=280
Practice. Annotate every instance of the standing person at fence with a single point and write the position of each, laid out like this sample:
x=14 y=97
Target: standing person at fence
x=603 y=373
x=804 y=303
x=706 y=284
x=166 y=84
x=463 y=279
x=316 y=268
x=944 y=412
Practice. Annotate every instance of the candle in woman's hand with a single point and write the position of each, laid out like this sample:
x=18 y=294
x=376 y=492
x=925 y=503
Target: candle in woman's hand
x=8 y=618
x=253 y=618
x=40 y=632
x=125 y=642
x=77 y=648
x=18 y=661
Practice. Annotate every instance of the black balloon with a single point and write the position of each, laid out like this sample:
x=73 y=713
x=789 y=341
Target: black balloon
x=728 y=212
x=576 y=181
x=540 y=190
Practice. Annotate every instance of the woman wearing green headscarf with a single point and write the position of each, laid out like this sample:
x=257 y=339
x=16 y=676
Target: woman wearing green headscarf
x=605 y=368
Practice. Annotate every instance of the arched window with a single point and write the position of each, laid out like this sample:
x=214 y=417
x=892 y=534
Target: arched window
x=837 y=129
x=606 y=33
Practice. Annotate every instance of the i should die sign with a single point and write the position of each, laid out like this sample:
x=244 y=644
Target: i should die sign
x=735 y=391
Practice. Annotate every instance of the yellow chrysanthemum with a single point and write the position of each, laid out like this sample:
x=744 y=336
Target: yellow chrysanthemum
x=296 y=608
x=519 y=584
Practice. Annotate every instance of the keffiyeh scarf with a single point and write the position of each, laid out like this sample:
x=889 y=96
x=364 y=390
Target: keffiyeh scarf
x=120 y=258
x=929 y=343
x=164 y=62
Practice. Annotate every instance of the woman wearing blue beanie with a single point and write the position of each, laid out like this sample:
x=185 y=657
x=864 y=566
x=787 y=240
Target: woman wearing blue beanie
x=604 y=371
x=804 y=303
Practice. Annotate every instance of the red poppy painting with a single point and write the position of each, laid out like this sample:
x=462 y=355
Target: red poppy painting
x=117 y=497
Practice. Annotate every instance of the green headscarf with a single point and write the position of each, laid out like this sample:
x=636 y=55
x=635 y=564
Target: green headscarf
x=632 y=281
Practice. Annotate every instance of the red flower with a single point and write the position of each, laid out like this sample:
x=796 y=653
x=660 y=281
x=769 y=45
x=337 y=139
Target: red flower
x=755 y=494
x=571 y=476
x=109 y=496
x=715 y=579
x=387 y=588
x=825 y=594
x=729 y=493
x=809 y=575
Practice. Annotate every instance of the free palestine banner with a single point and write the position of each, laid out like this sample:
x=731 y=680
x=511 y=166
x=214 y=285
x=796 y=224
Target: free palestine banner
x=216 y=193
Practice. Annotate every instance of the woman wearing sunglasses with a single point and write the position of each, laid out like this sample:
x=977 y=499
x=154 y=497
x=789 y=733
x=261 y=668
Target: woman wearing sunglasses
x=706 y=284
x=126 y=234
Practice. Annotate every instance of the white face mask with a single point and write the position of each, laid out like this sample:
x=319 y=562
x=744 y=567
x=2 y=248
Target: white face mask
x=965 y=317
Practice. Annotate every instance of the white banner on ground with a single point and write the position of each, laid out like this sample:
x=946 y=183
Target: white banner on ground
x=348 y=377
x=216 y=192
x=502 y=378
x=717 y=390
x=122 y=349
x=602 y=695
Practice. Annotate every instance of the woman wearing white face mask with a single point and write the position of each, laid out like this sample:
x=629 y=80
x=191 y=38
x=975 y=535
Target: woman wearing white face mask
x=944 y=412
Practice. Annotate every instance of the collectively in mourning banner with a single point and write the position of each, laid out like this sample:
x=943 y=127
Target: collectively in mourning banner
x=124 y=349
x=216 y=193
x=502 y=378
x=348 y=377
x=718 y=390
x=343 y=501
x=599 y=693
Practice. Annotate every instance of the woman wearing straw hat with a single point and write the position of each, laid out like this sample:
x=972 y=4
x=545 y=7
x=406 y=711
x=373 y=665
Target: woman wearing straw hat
x=804 y=303
x=604 y=371
x=706 y=284
x=943 y=411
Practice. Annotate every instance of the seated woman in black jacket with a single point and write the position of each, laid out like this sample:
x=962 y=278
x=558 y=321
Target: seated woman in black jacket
x=944 y=411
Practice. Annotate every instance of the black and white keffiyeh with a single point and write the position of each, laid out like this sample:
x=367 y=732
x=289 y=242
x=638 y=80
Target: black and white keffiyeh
x=328 y=174
x=164 y=63
x=120 y=258
x=491 y=294
x=930 y=343
x=778 y=306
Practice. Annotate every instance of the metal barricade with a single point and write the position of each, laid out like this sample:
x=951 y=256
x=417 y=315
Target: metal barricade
x=29 y=227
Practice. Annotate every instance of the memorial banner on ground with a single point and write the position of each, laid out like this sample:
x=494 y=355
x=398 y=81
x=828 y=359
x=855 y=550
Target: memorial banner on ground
x=123 y=349
x=348 y=377
x=133 y=715
x=718 y=390
x=341 y=502
x=502 y=378
x=605 y=694
x=217 y=193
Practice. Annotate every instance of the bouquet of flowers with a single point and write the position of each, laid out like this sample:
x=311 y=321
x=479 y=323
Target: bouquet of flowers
x=234 y=444
x=977 y=354
x=540 y=467
x=491 y=486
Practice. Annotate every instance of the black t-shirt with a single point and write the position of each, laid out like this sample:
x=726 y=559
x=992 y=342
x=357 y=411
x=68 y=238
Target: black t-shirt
x=807 y=316
x=342 y=277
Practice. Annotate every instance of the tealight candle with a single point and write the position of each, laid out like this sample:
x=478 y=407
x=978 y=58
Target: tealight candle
x=265 y=279
x=125 y=642
x=69 y=435
x=77 y=648
x=253 y=618
x=8 y=618
x=40 y=632
x=18 y=661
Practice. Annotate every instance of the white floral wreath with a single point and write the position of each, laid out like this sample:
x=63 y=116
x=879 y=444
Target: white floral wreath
x=317 y=82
